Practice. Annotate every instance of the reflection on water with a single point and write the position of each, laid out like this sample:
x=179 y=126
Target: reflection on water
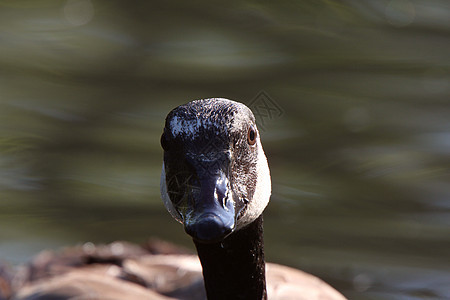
x=359 y=156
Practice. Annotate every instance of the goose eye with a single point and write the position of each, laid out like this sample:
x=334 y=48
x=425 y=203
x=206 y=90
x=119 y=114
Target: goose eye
x=164 y=142
x=251 y=136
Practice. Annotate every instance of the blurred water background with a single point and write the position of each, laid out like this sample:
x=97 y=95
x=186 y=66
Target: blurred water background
x=358 y=147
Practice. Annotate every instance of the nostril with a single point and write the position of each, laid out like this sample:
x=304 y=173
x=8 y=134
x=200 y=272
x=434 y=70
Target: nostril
x=220 y=195
x=221 y=190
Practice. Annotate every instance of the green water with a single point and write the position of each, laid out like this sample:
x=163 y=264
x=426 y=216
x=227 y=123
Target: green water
x=358 y=140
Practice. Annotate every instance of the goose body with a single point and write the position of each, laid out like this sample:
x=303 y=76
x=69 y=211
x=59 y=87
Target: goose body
x=215 y=180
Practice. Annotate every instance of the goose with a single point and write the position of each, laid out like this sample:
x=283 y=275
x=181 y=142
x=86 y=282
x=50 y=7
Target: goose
x=215 y=181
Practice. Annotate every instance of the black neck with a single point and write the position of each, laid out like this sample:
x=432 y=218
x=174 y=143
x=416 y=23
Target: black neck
x=235 y=268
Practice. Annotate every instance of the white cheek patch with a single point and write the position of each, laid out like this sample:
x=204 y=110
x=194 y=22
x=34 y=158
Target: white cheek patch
x=262 y=192
x=165 y=196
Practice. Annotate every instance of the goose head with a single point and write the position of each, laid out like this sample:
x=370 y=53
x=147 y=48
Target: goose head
x=215 y=178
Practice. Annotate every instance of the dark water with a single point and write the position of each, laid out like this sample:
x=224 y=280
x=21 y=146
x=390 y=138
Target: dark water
x=356 y=127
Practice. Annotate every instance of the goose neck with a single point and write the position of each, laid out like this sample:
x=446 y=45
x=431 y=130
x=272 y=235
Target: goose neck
x=235 y=267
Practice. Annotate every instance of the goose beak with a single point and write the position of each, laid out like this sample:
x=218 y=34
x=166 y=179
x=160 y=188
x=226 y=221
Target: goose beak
x=210 y=215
